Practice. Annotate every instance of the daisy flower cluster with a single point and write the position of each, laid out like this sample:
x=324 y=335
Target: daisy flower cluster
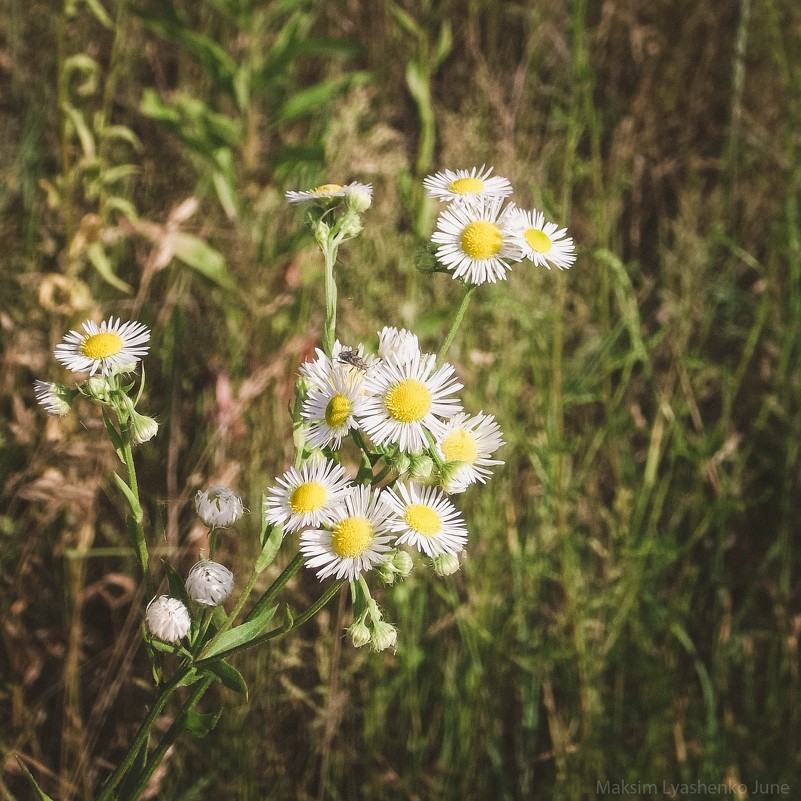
x=478 y=238
x=400 y=410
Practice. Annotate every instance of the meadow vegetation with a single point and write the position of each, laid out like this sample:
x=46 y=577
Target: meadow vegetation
x=629 y=607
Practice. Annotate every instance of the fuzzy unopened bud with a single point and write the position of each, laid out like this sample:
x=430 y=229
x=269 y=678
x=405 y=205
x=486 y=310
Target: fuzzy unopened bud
x=445 y=564
x=219 y=507
x=97 y=388
x=143 y=428
x=359 y=634
x=209 y=583
x=421 y=468
x=385 y=635
x=359 y=197
x=403 y=563
x=167 y=619
x=351 y=224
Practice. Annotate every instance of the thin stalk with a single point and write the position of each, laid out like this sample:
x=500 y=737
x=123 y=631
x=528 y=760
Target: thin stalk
x=277 y=585
x=329 y=332
x=143 y=733
x=137 y=517
x=457 y=321
x=166 y=742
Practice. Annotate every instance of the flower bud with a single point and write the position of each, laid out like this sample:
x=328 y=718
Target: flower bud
x=403 y=563
x=385 y=635
x=359 y=634
x=402 y=463
x=143 y=428
x=386 y=572
x=209 y=583
x=350 y=225
x=219 y=507
x=167 y=619
x=54 y=398
x=98 y=389
x=359 y=197
x=445 y=564
x=422 y=466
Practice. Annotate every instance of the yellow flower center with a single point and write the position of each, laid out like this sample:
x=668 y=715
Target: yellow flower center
x=538 y=240
x=423 y=519
x=460 y=446
x=338 y=411
x=466 y=186
x=308 y=497
x=408 y=401
x=326 y=189
x=352 y=536
x=101 y=346
x=481 y=239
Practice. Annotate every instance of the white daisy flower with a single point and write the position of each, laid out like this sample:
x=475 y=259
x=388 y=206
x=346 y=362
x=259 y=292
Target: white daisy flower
x=358 y=540
x=542 y=242
x=309 y=496
x=105 y=347
x=331 y=409
x=465 y=444
x=327 y=192
x=403 y=400
x=460 y=185
x=167 y=619
x=219 y=507
x=402 y=346
x=426 y=520
x=476 y=240
x=54 y=398
x=209 y=583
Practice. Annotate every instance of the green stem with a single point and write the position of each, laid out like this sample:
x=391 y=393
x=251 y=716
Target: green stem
x=330 y=248
x=359 y=440
x=137 y=516
x=166 y=742
x=456 y=322
x=229 y=621
x=143 y=733
x=276 y=586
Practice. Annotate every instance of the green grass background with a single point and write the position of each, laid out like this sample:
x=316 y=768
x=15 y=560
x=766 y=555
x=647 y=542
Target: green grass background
x=629 y=606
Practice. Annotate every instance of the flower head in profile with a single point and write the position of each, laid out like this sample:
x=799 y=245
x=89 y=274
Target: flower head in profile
x=356 y=192
x=459 y=185
x=476 y=240
x=307 y=497
x=402 y=346
x=425 y=519
x=406 y=400
x=356 y=539
x=167 y=619
x=466 y=445
x=542 y=242
x=105 y=347
x=218 y=507
x=209 y=583
x=55 y=399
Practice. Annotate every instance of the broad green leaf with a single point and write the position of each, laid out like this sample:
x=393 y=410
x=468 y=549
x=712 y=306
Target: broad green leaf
x=242 y=634
x=228 y=675
x=100 y=261
x=209 y=262
x=200 y=723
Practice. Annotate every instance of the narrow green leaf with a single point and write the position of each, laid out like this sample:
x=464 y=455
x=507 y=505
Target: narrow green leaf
x=176 y=584
x=308 y=101
x=136 y=509
x=203 y=258
x=228 y=675
x=100 y=13
x=289 y=619
x=242 y=634
x=100 y=261
x=40 y=794
x=272 y=543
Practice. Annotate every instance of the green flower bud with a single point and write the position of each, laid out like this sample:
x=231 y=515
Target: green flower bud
x=403 y=563
x=422 y=466
x=445 y=564
x=98 y=389
x=359 y=197
x=350 y=225
x=143 y=428
x=384 y=636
